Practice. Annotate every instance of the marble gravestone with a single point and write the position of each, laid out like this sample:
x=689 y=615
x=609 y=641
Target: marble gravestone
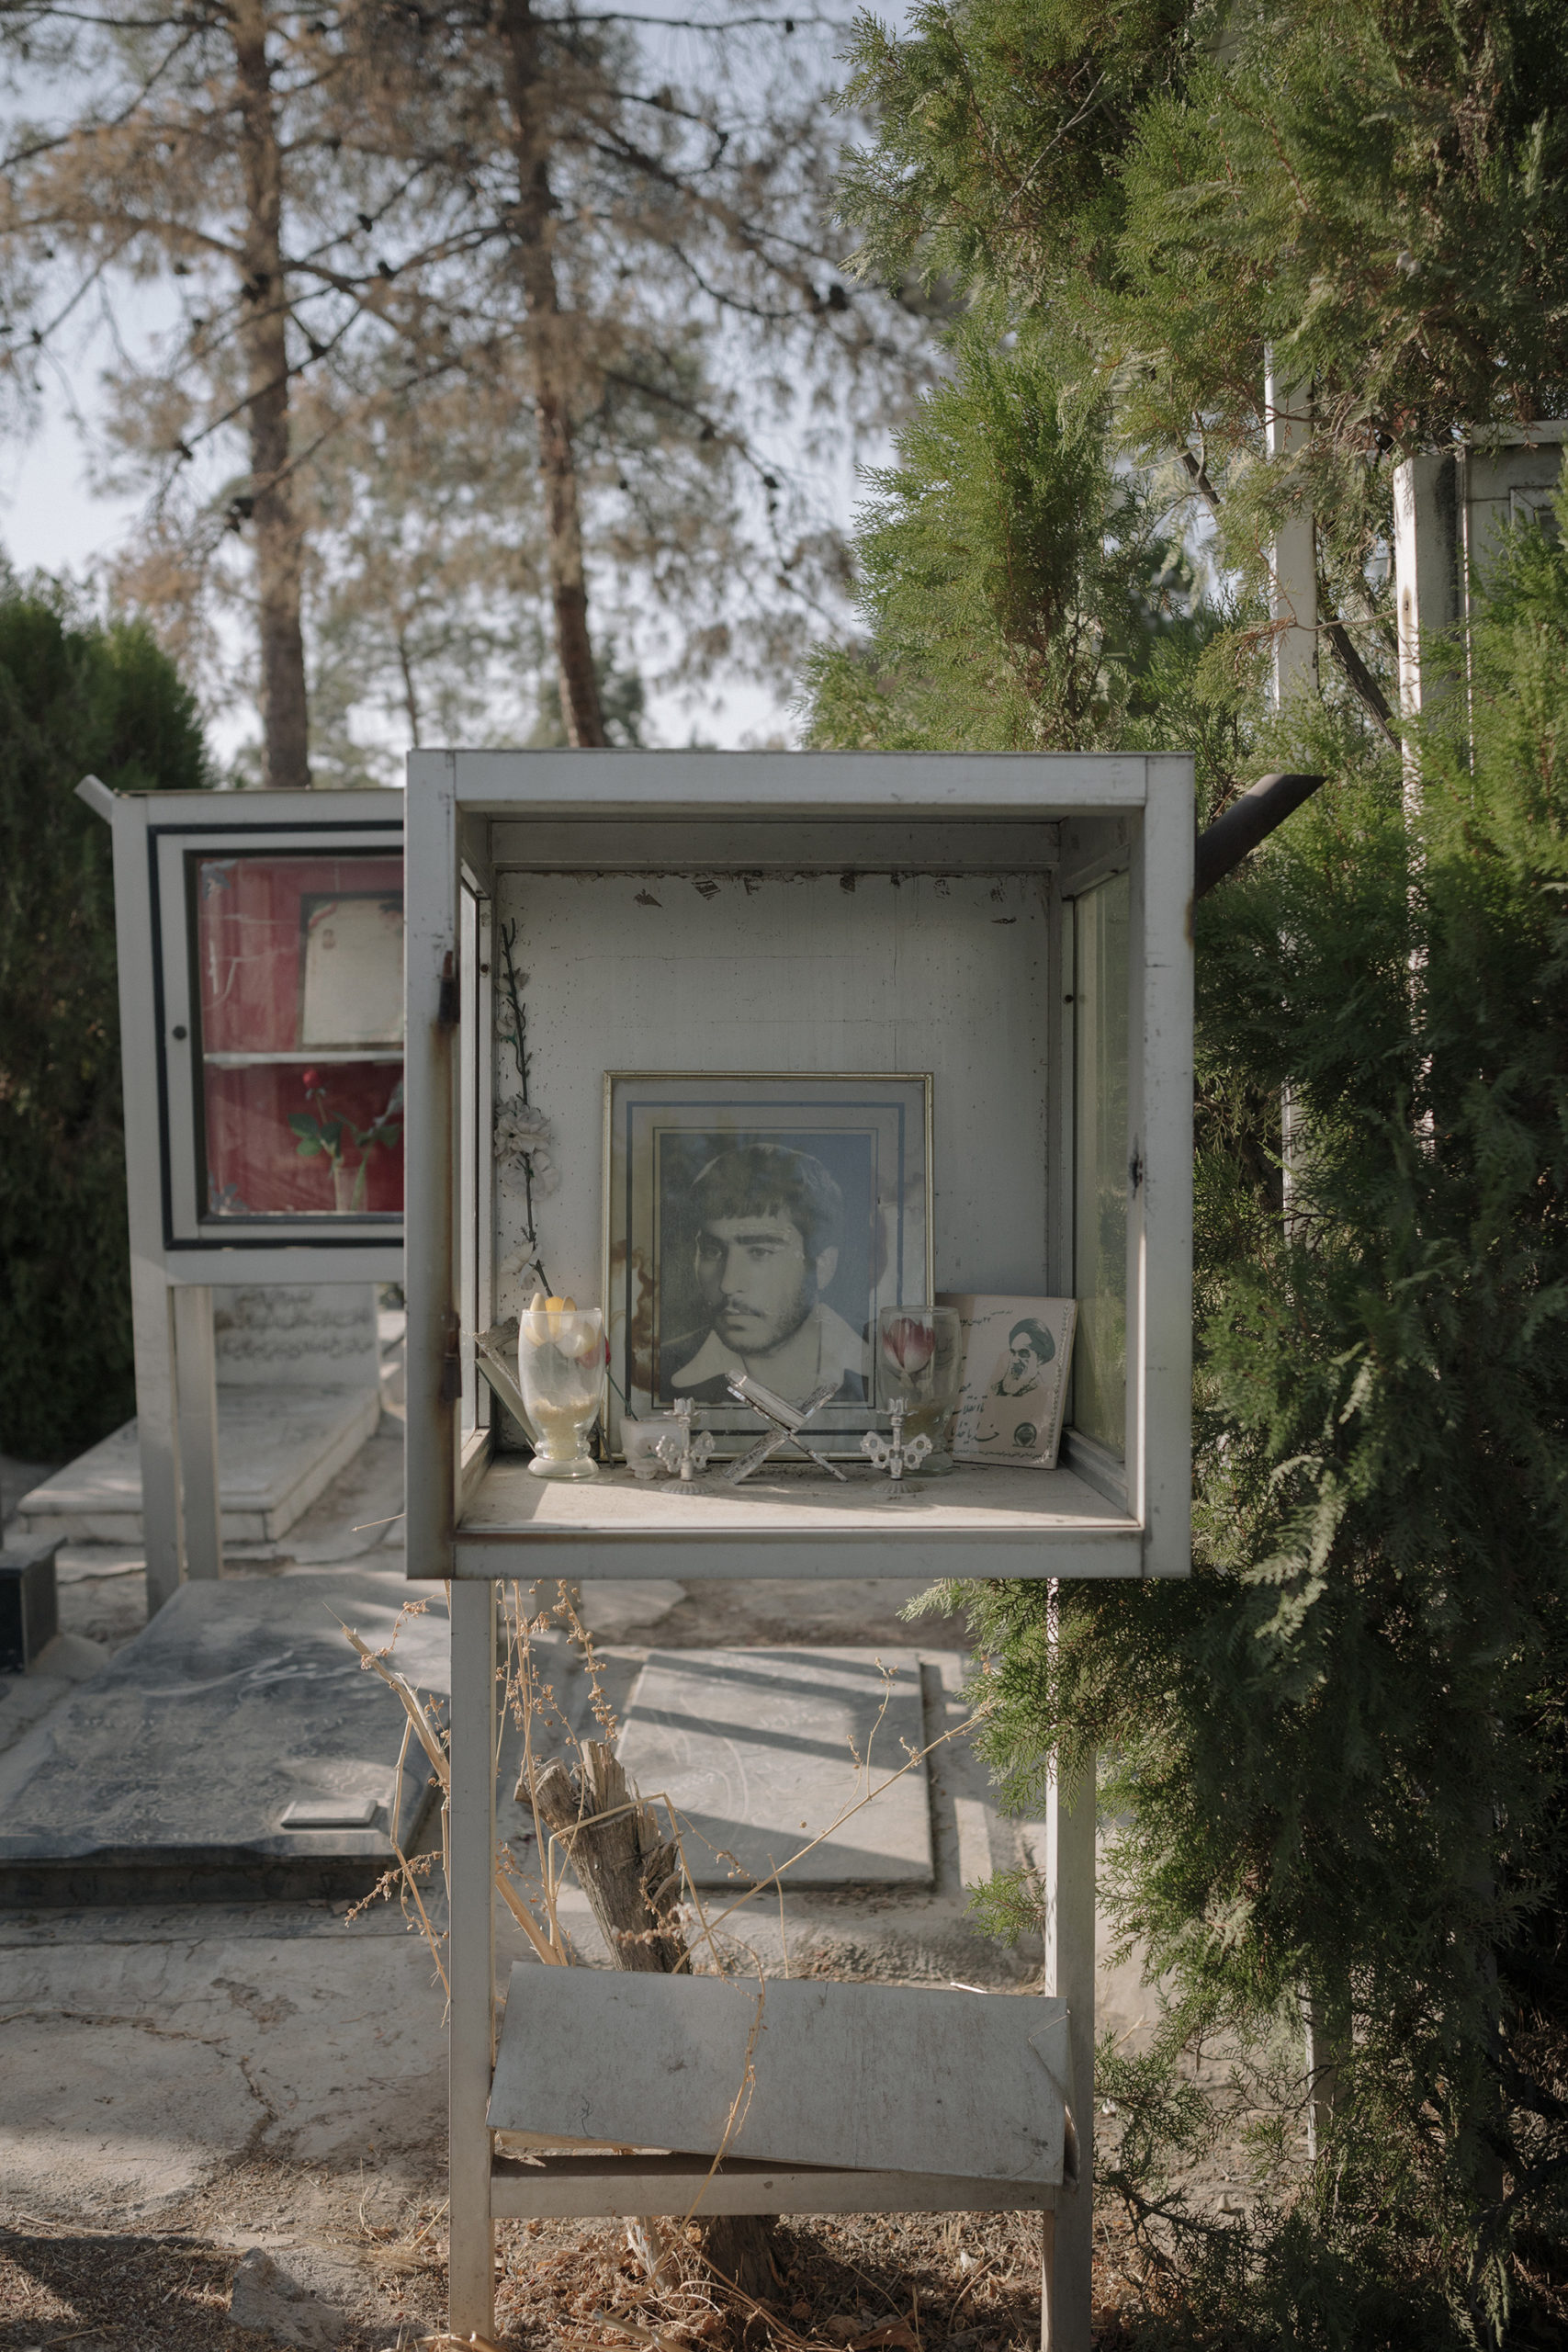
x=236 y=1749
x=765 y=1752
x=298 y=1393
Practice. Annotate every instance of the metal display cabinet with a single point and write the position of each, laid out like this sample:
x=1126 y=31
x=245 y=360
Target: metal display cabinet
x=260 y=954
x=1018 y=928
x=1451 y=508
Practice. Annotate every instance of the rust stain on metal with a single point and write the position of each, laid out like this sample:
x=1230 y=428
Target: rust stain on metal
x=628 y=1276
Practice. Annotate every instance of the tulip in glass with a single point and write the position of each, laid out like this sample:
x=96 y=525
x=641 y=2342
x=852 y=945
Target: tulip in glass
x=919 y=1358
x=561 y=1369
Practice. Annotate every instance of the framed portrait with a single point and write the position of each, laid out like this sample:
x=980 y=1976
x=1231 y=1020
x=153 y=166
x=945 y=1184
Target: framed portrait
x=760 y=1222
x=1017 y=1355
x=351 y=983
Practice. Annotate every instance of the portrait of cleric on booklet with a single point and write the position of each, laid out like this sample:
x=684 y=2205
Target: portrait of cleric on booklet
x=768 y=1269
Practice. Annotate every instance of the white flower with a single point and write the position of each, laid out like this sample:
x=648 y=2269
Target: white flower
x=522 y=1140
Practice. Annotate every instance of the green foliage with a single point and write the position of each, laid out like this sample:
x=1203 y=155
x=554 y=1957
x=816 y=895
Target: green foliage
x=1337 y=1755
x=1378 y=190
x=75 y=699
x=1339 y=1749
x=1377 y=193
x=1013 y=583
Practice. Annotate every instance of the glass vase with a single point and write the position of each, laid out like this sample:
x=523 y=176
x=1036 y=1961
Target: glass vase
x=561 y=1369
x=919 y=1358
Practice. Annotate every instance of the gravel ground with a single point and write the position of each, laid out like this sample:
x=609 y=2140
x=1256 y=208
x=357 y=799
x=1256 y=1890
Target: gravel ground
x=909 y=2282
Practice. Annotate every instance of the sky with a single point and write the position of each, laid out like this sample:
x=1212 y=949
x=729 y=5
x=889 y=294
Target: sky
x=49 y=517
x=53 y=519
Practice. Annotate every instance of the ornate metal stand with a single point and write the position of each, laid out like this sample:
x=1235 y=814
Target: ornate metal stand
x=788 y=1421
x=686 y=1455
x=896 y=1453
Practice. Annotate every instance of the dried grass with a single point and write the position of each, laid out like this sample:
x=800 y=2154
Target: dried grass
x=537 y=1709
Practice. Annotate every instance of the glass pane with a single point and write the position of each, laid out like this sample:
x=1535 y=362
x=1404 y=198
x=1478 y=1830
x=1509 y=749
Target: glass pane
x=298 y=988
x=1100 y=1213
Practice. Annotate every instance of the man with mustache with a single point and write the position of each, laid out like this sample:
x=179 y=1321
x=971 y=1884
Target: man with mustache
x=768 y=1222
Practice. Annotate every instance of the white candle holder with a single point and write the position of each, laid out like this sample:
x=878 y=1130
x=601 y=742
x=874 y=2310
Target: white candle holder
x=685 y=1455
x=896 y=1454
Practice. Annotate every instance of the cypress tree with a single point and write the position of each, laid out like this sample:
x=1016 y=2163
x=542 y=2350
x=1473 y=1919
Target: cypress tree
x=76 y=699
x=1335 y=1757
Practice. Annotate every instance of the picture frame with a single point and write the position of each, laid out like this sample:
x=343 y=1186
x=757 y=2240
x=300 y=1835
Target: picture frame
x=351 y=969
x=1018 y=1353
x=761 y=1219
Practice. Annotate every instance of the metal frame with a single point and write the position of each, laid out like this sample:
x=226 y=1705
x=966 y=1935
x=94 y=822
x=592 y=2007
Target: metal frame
x=173 y=1270
x=839 y=1430
x=703 y=811
x=186 y=1229
x=1446 y=505
x=470 y=813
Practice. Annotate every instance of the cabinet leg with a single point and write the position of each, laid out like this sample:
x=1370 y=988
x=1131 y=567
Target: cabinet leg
x=195 y=1421
x=1068 y=2242
x=163 y=1530
x=470 y=1849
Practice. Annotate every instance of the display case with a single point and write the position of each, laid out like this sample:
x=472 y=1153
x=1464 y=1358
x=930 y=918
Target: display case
x=741 y=1059
x=260 y=945
x=279 y=957
x=951 y=998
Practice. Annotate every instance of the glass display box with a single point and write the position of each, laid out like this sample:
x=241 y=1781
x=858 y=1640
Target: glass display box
x=260 y=947
x=279 y=956
x=941 y=1006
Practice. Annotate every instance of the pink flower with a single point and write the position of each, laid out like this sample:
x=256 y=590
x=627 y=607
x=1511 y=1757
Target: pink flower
x=909 y=1343
x=309 y=1078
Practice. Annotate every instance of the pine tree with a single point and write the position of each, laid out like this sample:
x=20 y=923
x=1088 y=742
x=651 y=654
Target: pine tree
x=610 y=235
x=208 y=150
x=1019 y=590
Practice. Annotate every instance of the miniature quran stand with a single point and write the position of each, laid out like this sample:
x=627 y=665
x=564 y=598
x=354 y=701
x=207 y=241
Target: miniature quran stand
x=787 y=1420
x=891 y=903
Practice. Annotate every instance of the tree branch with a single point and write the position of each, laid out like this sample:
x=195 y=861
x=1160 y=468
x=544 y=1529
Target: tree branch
x=1358 y=677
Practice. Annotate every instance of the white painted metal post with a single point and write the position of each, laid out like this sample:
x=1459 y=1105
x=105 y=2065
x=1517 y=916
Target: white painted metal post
x=1292 y=562
x=163 y=1531
x=1159 y=1174
x=196 y=1429
x=1426 y=570
x=1067 y=2238
x=471 y=1850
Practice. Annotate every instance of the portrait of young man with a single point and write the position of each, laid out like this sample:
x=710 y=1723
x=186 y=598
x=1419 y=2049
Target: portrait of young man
x=762 y=1242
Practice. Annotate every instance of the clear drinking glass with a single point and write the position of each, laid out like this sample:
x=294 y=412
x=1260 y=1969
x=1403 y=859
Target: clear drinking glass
x=561 y=1369
x=919 y=1358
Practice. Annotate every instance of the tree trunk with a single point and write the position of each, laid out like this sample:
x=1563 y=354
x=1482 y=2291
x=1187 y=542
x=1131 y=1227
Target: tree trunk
x=632 y=1880
x=628 y=1874
x=263 y=293
x=551 y=368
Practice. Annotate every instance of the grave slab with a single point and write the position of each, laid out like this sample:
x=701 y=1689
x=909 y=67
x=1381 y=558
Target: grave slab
x=761 y=1751
x=235 y=1748
x=277 y=1451
x=315 y=1335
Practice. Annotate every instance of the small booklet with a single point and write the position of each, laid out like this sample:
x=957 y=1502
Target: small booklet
x=1017 y=1354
